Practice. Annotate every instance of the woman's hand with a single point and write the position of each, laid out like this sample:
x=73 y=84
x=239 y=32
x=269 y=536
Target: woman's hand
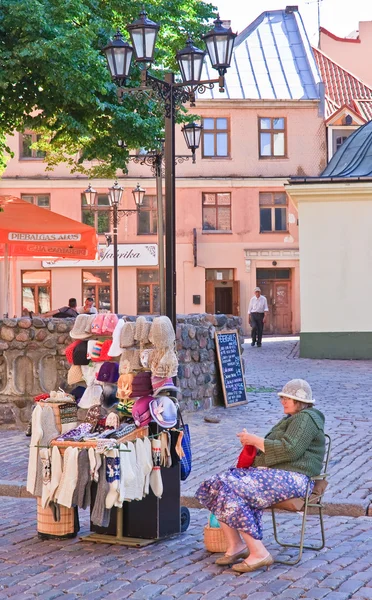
x=246 y=438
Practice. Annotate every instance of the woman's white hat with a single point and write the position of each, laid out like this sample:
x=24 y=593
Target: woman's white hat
x=298 y=389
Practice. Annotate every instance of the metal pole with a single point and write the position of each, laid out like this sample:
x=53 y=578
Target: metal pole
x=115 y=232
x=170 y=207
x=159 y=200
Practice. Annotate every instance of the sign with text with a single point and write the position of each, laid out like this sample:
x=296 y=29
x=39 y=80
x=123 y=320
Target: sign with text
x=231 y=367
x=129 y=255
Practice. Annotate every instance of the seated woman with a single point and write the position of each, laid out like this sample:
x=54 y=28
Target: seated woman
x=287 y=457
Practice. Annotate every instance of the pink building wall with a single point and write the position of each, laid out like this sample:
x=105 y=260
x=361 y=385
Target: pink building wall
x=351 y=53
x=242 y=174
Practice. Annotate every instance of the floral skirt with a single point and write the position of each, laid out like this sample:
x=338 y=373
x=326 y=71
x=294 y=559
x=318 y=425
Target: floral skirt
x=237 y=497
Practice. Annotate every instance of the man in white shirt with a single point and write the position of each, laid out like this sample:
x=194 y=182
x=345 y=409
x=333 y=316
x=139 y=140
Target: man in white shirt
x=88 y=308
x=256 y=313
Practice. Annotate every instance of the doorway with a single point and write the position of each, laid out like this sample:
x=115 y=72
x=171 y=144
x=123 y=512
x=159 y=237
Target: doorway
x=222 y=293
x=275 y=284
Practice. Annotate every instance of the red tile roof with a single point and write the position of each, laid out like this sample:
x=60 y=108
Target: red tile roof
x=342 y=88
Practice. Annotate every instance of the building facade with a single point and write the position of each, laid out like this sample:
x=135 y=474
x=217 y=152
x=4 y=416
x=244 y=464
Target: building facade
x=235 y=224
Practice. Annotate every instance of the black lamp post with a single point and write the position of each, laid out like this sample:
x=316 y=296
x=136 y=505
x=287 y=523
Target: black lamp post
x=115 y=196
x=143 y=32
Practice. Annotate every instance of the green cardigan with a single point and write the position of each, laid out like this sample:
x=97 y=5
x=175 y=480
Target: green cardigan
x=296 y=443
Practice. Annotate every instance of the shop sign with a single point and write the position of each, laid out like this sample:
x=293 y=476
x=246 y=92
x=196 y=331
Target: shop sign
x=129 y=255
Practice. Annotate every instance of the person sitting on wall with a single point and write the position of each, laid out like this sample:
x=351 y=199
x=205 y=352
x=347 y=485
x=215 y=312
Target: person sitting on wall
x=88 y=308
x=61 y=313
x=291 y=453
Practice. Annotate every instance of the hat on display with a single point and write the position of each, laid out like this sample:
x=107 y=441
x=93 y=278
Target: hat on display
x=108 y=373
x=298 y=389
x=141 y=411
x=109 y=323
x=108 y=396
x=97 y=322
x=94 y=414
x=77 y=392
x=141 y=384
x=69 y=350
x=257 y=289
x=112 y=420
x=163 y=384
x=125 y=406
x=94 y=350
x=91 y=396
x=164 y=411
x=125 y=385
x=162 y=332
x=115 y=349
x=127 y=334
x=142 y=330
x=80 y=354
x=78 y=332
x=131 y=356
x=74 y=375
x=105 y=350
x=90 y=372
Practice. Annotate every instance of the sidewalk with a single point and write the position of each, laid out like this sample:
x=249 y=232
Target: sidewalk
x=342 y=390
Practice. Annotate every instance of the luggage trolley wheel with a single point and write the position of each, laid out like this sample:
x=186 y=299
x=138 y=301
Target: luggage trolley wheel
x=185 y=519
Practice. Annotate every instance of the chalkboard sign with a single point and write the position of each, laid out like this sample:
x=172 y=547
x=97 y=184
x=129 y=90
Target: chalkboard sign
x=231 y=368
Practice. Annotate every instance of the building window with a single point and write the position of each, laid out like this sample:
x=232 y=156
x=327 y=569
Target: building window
x=272 y=137
x=42 y=200
x=217 y=212
x=340 y=140
x=36 y=291
x=215 y=138
x=99 y=218
x=27 y=140
x=148 y=294
x=97 y=285
x=273 y=211
x=147 y=217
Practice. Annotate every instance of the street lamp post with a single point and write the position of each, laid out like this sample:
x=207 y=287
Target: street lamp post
x=115 y=196
x=143 y=32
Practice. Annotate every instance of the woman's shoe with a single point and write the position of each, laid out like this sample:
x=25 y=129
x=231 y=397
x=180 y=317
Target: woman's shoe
x=230 y=559
x=244 y=568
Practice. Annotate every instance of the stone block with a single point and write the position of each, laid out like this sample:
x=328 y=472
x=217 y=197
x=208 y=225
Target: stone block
x=23 y=336
x=195 y=355
x=38 y=322
x=50 y=343
x=62 y=327
x=51 y=326
x=3 y=346
x=7 y=334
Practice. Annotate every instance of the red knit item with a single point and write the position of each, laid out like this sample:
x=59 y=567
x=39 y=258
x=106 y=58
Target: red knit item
x=246 y=457
x=104 y=350
x=69 y=351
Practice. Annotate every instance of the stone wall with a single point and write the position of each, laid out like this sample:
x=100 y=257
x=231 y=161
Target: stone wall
x=32 y=361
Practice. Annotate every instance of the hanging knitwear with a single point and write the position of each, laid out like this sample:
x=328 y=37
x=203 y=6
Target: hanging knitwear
x=130 y=486
x=69 y=477
x=57 y=468
x=36 y=436
x=127 y=474
x=81 y=497
x=156 y=482
x=148 y=467
x=100 y=515
x=113 y=477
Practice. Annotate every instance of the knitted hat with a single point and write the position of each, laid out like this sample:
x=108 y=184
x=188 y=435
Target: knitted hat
x=298 y=389
x=93 y=414
x=141 y=411
x=115 y=349
x=125 y=385
x=146 y=355
x=127 y=335
x=97 y=323
x=69 y=351
x=77 y=392
x=78 y=331
x=105 y=350
x=141 y=385
x=90 y=372
x=94 y=350
x=142 y=330
x=112 y=420
x=163 y=384
x=164 y=362
x=125 y=406
x=79 y=354
x=74 y=375
x=91 y=396
x=133 y=356
x=89 y=321
x=109 y=323
x=162 y=332
x=164 y=411
x=108 y=373
x=108 y=397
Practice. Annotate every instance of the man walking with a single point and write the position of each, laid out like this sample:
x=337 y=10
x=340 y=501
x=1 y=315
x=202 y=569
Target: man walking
x=256 y=314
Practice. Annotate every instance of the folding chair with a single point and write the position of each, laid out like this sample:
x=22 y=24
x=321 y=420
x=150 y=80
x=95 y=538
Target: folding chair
x=313 y=501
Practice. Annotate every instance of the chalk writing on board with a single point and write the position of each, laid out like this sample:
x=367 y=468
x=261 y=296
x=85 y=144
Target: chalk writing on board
x=232 y=377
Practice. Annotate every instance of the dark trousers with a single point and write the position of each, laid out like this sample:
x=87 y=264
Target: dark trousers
x=257 y=326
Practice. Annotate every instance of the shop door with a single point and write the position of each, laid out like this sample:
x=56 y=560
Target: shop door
x=278 y=295
x=223 y=300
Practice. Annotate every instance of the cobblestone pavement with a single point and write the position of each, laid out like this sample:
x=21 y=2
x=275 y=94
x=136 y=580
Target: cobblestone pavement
x=178 y=567
x=342 y=390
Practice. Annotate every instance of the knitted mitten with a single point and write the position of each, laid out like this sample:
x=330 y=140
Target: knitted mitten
x=127 y=474
x=81 y=496
x=56 y=472
x=36 y=436
x=156 y=482
x=92 y=462
x=148 y=465
x=113 y=477
x=100 y=515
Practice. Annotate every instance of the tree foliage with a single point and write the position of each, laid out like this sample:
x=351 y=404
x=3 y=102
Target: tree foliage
x=54 y=78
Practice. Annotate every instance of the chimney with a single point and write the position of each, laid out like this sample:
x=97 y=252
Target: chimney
x=289 y=10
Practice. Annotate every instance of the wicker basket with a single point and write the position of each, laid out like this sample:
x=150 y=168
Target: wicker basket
x=48 y=527
x=214 y=539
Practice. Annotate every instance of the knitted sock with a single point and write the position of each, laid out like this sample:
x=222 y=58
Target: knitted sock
x=130 y=485
x=127 y=475
x=69 y=477
x=92 y=462
x=81 y=494
x=100 y=515
x=113 y=477
x=141 y=465
x=56 y=472
x=148 y=467
x=45 y=455
x=36 y=436
x=97 y=467
x=156 y=482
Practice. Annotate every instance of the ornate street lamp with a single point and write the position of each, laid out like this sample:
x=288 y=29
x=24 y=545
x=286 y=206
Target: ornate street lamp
x=191 y=133
x=115 y=194
x=138 y=195
x=119 y=57
x=90 y=196
x=143 y=34
x=190 y=61
x=220 y=44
